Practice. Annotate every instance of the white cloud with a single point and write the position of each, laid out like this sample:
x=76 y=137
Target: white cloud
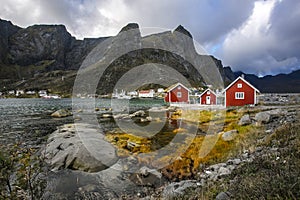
x=251 y=47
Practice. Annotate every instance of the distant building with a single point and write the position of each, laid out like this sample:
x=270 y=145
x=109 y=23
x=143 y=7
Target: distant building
x=11 y=92
x=146 y=93
x=240 y=93
x=42 y=93
x=177 y=93
x=160 y=90
x=30 y=92
x=133 y=93
x=19 y=92
x=208 y=97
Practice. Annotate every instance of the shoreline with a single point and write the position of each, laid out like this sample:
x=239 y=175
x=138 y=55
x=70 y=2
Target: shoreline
x=142 y=186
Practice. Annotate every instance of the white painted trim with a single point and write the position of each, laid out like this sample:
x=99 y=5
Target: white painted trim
x=255 y=100
x=179 y=96
x=240 y=78
x=208 y=90
x=242 y=94
x=225 y=99
x=177 y=84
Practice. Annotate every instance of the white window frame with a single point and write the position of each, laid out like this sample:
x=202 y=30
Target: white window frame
x=208 y=92
x=239 y=85
x=239 y=95
x=179 y=94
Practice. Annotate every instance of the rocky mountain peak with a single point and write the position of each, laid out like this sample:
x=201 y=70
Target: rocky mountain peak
x=7 y=29
x=181 y=29
x=130 y=26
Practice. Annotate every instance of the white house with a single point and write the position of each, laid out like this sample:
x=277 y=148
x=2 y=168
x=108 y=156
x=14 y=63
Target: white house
x=30 y=92
x=19 y=92
x=160 y=90
x=146 y=93
x=11 y=92
x=133 y=93
x=42 y=93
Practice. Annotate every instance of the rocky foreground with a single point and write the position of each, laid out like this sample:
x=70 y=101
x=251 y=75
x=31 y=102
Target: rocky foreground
x=86 y=166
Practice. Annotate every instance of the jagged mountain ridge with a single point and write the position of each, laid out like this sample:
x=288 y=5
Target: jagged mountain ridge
x=40 y=49
x=281 y=83
x=36 y=53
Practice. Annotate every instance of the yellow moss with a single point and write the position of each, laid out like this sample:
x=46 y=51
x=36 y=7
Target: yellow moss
x=179 y=130
x=201 y=150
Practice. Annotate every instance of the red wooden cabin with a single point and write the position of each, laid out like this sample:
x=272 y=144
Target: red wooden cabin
x=177 y=93
x=240 y=93
x=208 y=97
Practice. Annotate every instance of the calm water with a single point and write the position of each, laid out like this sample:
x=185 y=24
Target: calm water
x=28 y=120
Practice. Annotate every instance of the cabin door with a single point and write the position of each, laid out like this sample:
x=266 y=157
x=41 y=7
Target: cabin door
x=208 y=100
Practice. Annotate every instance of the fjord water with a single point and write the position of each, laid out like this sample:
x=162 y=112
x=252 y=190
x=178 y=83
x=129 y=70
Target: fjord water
x=28 y=120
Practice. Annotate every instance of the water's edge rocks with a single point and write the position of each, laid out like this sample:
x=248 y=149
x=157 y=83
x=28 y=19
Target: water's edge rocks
x=84 y=165
x=79 y=147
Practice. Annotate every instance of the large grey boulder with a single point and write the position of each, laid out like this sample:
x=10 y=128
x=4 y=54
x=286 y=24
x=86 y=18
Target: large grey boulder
x=229 y=135
x=245 y=120
x=79 y=147
x=263 y=117
x=268 y=116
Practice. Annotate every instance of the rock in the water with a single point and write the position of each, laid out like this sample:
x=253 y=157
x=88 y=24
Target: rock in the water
x=147 y=119
x=121 y=116
x=61 y=113
x=107 y=115
x=245 y=120
x=79 y=147
x=139 y=113
x=178 y=190
x=229 y=135
x=223 y=196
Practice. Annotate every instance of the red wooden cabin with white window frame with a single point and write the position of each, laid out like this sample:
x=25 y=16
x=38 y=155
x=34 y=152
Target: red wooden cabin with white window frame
x=208 y=97
x=177 y=93
x=240 y=92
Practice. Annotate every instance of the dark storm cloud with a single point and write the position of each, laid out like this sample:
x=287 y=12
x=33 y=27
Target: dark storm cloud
x=267 y=42
x=286 y=29
x=259 y=37
x=206 y=20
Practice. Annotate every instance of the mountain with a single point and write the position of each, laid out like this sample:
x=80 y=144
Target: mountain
x=41 y=52
x=49 y=57
x=281 y=83
x=40 y=48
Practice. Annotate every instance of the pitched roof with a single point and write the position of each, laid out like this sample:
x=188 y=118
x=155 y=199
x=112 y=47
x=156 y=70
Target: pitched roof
x=206 y=91
x=144 y=91
x=174 y=86
x=241 y=78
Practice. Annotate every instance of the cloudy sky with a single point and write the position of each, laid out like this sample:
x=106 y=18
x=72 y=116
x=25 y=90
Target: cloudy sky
x=260 y=37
